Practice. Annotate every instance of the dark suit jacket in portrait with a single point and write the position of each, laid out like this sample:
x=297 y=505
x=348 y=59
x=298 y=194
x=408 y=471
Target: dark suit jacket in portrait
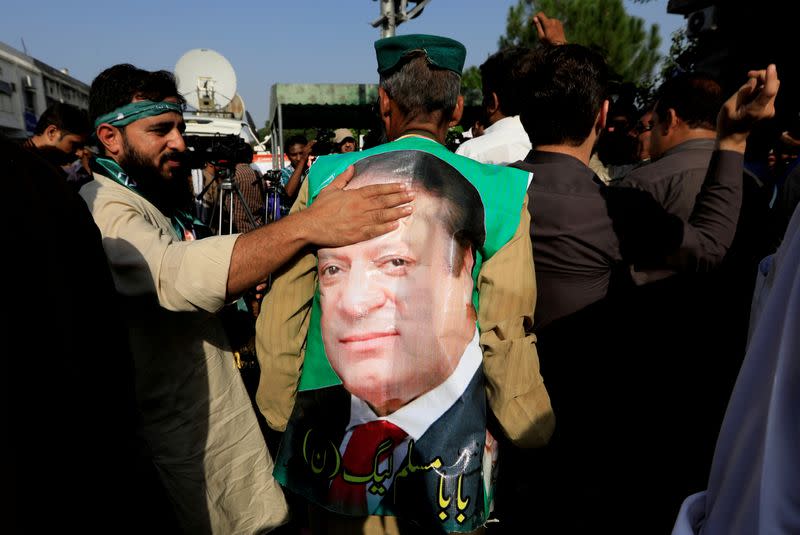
x=309 y=459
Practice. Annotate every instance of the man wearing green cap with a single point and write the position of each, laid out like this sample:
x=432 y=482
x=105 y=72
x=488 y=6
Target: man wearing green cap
x=419 y=101
x=197 y=420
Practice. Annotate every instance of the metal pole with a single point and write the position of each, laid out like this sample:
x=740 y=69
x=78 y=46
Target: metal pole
x=221 y=204
x=280 y=136
x=231 y=198
x=387 y=13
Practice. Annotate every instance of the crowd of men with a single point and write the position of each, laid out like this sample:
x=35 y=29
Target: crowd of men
x=515 y=337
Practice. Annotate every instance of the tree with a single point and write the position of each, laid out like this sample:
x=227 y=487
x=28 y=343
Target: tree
x=683 y=54
x=630 y=49
x=471 y=86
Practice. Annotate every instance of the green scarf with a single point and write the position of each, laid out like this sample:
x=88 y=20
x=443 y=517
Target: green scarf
x=184 y=223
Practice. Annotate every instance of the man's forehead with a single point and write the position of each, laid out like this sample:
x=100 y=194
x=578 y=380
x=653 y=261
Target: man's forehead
x=169 y=117
x=418 y=225
x=370 y=178
x=416 y=231
x=424 y=202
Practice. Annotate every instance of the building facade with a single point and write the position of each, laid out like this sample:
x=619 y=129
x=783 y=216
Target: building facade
x=28 y=86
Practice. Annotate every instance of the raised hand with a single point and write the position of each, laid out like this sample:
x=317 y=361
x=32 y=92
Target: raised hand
x=550 y=31
x=754 y=101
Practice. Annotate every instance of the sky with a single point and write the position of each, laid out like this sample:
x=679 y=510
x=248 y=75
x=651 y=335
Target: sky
x=266 y=42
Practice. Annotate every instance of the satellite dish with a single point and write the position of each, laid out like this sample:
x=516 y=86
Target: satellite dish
x=205 y=79
x=236 y=107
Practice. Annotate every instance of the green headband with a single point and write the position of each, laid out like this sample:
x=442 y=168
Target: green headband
x=134 y=111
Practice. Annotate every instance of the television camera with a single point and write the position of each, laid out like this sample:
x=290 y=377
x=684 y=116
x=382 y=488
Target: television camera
x=221 y=150
x=224 y=152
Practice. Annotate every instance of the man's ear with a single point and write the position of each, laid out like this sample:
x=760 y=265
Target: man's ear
x=458 y=112
x=493 y=104
x=385 y=107
x=384 y=104
x=602 y=117
x=468 y=264
x=52 y=133
x=672 y=120
x=111 y=139
x=469 y=260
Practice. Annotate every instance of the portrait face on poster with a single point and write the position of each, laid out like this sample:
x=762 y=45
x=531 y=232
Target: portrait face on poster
x=396 y=310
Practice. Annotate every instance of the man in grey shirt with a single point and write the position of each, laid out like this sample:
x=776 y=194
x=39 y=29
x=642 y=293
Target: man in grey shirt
x=681 y=142
x=586 y=234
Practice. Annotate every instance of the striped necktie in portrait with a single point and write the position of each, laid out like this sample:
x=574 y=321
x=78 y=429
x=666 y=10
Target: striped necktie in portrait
x=369 y=445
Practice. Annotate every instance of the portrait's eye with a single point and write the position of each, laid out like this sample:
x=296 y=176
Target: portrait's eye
x=331 y=270
x=395 y=265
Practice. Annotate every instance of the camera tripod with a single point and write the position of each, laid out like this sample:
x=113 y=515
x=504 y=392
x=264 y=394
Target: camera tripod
x=229 y=193
x=273 y=195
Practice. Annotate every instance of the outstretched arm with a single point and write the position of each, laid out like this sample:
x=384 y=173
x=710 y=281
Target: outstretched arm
x=338 y=217
x=651 y=237
x=712 y=224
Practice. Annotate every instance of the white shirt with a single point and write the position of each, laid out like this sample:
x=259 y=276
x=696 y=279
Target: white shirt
x=502 y=143
x=419 y=414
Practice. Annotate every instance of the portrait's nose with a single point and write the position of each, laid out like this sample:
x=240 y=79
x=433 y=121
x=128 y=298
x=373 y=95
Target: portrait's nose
x=361 y=294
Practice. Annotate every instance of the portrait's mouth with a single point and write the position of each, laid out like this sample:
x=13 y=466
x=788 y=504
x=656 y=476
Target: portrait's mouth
x=363 y=337
x=368 y=341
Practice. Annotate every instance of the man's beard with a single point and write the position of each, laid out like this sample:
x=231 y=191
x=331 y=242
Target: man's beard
x=167 y=193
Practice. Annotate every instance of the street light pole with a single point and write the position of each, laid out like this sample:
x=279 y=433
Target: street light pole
x=387 y=15
x=394 y=13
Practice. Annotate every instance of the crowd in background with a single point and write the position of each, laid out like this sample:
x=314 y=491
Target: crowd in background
x=653 y=225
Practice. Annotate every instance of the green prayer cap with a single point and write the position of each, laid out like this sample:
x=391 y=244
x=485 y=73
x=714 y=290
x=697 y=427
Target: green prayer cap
x=442 y=52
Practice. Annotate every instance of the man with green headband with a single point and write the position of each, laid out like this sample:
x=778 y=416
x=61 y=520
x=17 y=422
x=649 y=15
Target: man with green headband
x=197 y=419
x=363 y=440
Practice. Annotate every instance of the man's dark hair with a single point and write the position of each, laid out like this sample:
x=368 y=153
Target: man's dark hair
x=295 y=140
x=120 y=84
x=503 y=74
x=562 y=94
x=422 y=90
x=66 y=117
x=696 y=98
x=462 y=214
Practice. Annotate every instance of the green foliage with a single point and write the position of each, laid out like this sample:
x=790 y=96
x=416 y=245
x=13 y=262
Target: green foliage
x=683 y=54
x=630 y=48
x=471 y=86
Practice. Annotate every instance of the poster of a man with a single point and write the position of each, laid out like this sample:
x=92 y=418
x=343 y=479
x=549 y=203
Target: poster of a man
x=397 y=312
x=405 y=430
x=423 y=472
